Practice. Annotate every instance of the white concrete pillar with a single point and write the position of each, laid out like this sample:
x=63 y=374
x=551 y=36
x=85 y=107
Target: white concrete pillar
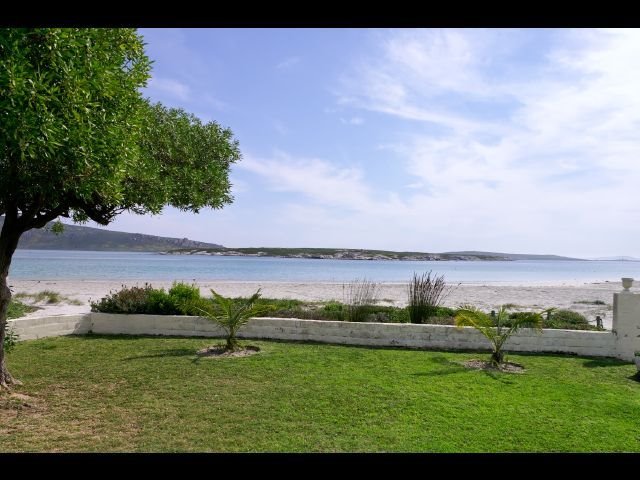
x=626 y=324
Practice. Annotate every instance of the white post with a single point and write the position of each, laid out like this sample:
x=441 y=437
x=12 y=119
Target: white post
x=626 y=322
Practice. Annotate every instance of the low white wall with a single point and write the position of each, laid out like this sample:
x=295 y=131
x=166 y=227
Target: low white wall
x=588 y=343
x=39 y=327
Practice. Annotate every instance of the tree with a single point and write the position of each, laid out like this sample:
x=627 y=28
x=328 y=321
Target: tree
x=232 y=315
x=78 y=140
x=497 y=329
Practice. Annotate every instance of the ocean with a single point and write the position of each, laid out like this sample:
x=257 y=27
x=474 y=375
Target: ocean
x=144 y=266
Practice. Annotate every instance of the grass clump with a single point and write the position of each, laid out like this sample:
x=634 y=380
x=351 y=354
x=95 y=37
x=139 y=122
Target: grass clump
x=425 y=294
x=567 y=319
x=359 y=295
x=48 y=297
x=591 y=302
x=18 y=309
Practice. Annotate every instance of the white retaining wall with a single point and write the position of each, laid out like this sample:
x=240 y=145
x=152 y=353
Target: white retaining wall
x=39 y=327
x=602 y=344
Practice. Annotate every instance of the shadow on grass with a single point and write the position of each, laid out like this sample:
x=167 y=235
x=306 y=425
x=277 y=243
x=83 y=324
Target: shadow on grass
x=453 y=367
x=604 y=362
x=176 y=352
x=136 y=336
x=499 y=376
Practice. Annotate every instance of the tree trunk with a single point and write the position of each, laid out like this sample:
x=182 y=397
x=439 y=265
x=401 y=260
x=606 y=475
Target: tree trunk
x=232 y=344
x=497 y=357
x=8 y=243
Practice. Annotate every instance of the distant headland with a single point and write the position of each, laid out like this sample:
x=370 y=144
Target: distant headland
x=76 y=237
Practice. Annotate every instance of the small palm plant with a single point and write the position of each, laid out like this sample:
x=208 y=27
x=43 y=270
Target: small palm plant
x=500 y=327
x=232 y=314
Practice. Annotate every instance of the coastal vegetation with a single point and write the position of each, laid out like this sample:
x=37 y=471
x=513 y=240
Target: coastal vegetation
x=149 y=394
x=185 y=299
x=80 y=141
x=332 y=253
x=359 y=296
x=48 y=297
x=18 y=309
x=591 y=302
x=425 y=294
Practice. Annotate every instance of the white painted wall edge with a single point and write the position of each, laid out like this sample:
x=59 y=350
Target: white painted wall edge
x=445 y=337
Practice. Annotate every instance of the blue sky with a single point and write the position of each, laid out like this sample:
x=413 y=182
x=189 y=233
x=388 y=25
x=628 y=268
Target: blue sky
x=429 y=140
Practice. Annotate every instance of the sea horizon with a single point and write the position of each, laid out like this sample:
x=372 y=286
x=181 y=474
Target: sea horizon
x=152 y=266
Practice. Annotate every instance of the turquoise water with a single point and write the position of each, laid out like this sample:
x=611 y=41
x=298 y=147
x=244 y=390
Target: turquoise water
x=60 y=264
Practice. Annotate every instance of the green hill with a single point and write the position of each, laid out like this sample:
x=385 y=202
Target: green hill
x=76 y=237
x=516 y=256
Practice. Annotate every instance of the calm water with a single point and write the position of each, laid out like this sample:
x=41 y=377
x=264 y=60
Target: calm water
x=58 y=264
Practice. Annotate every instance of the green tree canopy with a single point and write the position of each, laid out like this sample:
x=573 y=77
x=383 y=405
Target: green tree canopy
x=78 y=139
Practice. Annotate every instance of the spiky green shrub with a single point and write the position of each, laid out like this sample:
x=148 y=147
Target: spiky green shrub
x=497 y=329
x=232 y=314
x=358 y=296
x=425 y=293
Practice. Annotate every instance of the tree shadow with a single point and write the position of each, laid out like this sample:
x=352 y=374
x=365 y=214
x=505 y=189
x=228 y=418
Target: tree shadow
x=499 y=376
x=454 y=367
x=604 y=362
x=176 y=352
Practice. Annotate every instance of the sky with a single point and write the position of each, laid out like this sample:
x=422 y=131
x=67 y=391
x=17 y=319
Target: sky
x=432 y=140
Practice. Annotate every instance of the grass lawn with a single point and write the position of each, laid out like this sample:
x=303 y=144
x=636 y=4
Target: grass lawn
x=117 y=393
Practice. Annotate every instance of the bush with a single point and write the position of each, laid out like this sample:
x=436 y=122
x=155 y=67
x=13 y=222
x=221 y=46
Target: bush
x=127 y=300
x=332 y=311
x=180 y=300
x=560 y=319
x=425 y=295
x=568 y=319
x=568 y=316
x=10 y=338
x=160 y=302
x=358 y=296
x=183 y=292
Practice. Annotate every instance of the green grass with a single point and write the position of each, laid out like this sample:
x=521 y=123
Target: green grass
x=148 y=394
x=18 y=309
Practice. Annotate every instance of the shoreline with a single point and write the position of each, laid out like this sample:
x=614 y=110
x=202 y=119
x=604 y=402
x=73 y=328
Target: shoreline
x=484 y=295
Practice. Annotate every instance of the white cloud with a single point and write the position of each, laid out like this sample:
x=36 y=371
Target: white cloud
x=352 y=121
x=280 y=127
x=557 y=155
x=288 y=63
x=314 y=178
x=171 y=87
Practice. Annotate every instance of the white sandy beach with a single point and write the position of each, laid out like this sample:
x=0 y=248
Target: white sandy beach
x=483 y=295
